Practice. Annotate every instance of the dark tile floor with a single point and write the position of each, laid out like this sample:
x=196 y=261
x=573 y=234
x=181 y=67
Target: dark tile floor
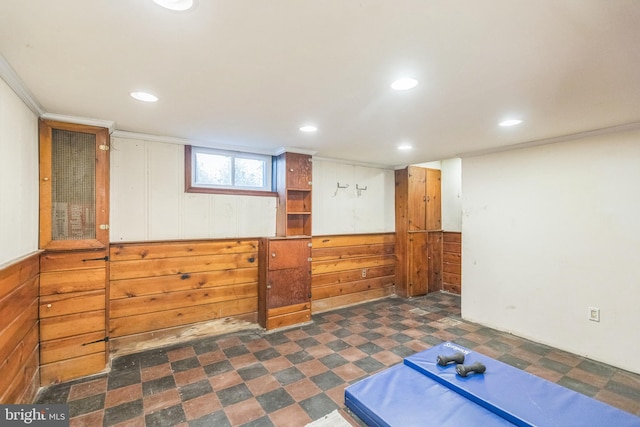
x=295 y=376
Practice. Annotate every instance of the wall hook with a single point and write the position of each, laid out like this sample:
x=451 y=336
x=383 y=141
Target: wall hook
x=359 y=190
x=338 y=187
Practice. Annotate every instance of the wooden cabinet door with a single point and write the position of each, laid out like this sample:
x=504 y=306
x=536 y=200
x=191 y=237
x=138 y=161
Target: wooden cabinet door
x=74 y=186
x=433 y=200
x=418 y=271
x=288 y=253
x=288 y=287
x=416 y=199
x=299 y=173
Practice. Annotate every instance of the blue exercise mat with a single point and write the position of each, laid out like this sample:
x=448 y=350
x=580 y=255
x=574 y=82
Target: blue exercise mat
x=516 y=395
x=402 y=397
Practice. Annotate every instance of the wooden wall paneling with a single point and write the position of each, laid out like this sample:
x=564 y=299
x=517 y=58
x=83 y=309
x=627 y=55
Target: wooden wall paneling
x=72 y=310
x=177 y=249
x=19 y=349
x=163 y=285
x=452 y=262
x=130 y=288
x=351 y=269
x=159 y=320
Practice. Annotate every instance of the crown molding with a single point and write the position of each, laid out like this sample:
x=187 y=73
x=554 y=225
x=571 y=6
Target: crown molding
x=181 y=141
x=282 y=150
x=627 y=127
x=80 y=121
x=14 y=81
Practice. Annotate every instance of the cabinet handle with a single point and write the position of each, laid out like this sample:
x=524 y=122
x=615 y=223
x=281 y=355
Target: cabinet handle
x=45 y=179
x=273 y=254
x=291 y=170
x=269 y=286
x=48 y=305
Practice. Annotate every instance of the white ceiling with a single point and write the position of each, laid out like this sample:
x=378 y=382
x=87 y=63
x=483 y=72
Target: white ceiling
x=248 y=73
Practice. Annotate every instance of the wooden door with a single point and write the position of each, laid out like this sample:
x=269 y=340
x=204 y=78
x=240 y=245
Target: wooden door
x=418 y=270
x=298 y=171
x=74 y=233
x=435 y=261
x=433 y=200
x=74 y=186
x=416 y=199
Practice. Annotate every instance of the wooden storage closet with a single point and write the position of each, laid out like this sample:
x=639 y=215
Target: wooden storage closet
x=418 y=231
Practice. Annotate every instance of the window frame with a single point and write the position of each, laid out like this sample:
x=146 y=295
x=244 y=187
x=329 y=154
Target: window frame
x=190 y=187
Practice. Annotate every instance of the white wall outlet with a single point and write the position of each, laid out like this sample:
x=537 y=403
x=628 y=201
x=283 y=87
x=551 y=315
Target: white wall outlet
x=594 y=314
x=364 y=273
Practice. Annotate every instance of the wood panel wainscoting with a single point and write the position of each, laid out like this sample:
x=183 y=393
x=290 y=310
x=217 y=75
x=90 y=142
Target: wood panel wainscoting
x=452 y=262
x=156 y=289
x=72 y=314
x=351 y=269
x=19 y=328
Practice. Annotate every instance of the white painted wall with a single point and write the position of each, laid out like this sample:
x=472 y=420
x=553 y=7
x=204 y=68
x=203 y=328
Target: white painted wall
x=550 y=231
x=148 y=201
x=451 y=176
x=345 y=210
x=18 y=177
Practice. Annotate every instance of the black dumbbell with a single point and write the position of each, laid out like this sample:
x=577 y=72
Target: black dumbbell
x=456 y=357
x=477 y=368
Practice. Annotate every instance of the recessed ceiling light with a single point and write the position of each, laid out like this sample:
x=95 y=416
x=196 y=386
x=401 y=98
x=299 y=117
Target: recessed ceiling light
x=175 y=4
x=511 y=122
x=405 y=146
x=144 y=96
x=404 y=83
x=308 y=128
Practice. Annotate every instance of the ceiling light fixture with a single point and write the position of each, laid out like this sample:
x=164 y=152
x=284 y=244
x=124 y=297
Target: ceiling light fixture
x=405 y=146
x=404 y=83
x=511 y=122
x=308 y=128
x=178 y=5
x=144 y=96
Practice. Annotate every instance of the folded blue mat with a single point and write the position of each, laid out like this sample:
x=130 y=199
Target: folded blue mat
x=402 y=397
x=516 y=395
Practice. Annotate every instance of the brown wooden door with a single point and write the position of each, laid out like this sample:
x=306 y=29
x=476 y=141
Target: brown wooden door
x=74 y=186
x=433 y=200
x=416 y=200
x=418 y=271
x=288 y=286
x=288 y=253
x=298 y=171
x=74 y=233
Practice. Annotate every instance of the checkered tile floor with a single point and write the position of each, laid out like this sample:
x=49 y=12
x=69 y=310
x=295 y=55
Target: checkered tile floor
x=295 y=376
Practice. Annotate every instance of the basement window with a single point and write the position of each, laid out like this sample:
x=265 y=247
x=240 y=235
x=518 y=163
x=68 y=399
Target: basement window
x=208 y=170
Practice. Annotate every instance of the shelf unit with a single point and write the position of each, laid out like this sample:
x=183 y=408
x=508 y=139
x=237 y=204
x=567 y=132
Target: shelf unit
x=294 y=174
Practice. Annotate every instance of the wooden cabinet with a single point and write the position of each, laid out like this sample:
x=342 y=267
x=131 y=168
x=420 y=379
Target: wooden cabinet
x=418 y=231
x=294 y=173
x=284 y=293
x=74 y=233
x=74 y=186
